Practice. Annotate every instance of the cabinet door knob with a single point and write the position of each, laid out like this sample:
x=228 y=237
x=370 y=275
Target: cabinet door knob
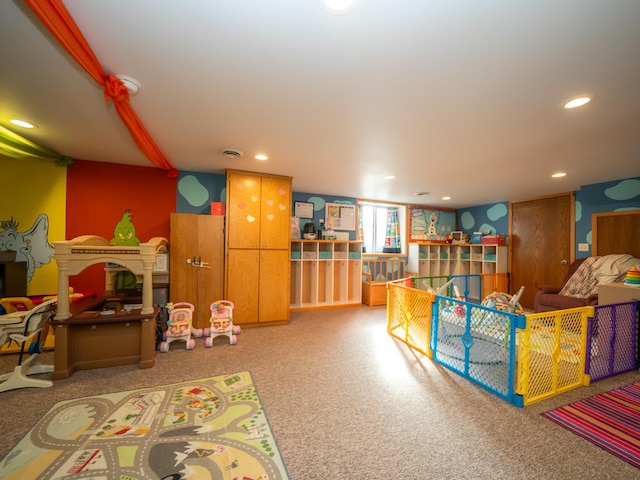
x=563 y=262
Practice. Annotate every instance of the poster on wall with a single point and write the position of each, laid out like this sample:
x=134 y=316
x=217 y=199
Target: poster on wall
x=341 y=216
x=432 y=225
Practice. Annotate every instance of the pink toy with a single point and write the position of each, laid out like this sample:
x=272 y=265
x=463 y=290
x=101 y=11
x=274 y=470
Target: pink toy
x=221 y=323
x=178 y=326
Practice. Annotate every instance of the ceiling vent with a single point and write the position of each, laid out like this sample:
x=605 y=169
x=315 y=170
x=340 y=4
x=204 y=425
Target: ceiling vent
x=231 y=153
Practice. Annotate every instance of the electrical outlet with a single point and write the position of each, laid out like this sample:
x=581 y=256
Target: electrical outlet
x=583 y=247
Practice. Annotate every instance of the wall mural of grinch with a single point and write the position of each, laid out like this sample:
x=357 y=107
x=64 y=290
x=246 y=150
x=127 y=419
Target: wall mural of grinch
x=124 y=234
x=32 y=246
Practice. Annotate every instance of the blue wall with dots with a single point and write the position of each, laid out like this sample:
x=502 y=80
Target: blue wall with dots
x=603 y=197
x=612 y=196
x=197 y=190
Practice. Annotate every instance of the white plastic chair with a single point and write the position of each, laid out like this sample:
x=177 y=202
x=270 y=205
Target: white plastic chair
x=21 y=327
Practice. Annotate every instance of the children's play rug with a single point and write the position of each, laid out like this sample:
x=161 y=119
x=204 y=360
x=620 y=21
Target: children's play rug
x=610 y=420
x=211 y=428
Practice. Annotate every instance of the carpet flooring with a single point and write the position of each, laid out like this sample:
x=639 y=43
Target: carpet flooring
x=346 y=401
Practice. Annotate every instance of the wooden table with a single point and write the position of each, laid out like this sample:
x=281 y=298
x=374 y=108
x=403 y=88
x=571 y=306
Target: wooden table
x=90 y=339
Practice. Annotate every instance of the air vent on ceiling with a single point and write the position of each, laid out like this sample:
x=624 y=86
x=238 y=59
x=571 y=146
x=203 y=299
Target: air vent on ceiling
x=231 y=153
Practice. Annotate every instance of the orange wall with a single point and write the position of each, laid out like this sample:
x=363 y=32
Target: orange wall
x=99 y=193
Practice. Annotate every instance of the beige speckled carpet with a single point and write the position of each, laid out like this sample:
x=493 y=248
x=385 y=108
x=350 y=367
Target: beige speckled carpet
x=346 y=401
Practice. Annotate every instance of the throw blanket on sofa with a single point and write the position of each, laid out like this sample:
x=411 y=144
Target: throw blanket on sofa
x=613 y=268
x=596 y=270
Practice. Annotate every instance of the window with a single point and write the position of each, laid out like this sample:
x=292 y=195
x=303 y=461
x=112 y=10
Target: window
x=382 y=227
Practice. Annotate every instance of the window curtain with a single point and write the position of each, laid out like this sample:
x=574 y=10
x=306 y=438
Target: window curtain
x=361 y=231
x=55 y=16
x=392 y=236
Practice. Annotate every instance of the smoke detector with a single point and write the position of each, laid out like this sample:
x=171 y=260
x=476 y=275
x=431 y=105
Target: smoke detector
x=131 y=83
x=232 y=153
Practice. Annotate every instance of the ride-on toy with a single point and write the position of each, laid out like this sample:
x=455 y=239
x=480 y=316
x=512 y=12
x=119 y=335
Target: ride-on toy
x=221 y=323
x=178 y=326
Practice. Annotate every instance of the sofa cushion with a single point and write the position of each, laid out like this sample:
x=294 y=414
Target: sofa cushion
x=550 y=301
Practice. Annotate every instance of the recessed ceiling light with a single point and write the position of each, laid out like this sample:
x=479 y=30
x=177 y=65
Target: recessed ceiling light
x=559 y=174
x=389 y=177
x=577 y=102
x=446 y=198
x=339 y=7
x=23 y=124
x=261 y=156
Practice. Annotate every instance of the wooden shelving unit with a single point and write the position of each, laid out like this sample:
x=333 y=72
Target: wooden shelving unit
x=436 y=260
x=325 y=273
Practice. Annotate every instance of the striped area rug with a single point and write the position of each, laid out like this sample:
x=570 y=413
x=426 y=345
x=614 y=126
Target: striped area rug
x=610 y=420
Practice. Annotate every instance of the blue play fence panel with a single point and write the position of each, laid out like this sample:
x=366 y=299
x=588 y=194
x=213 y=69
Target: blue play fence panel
x=477 y=342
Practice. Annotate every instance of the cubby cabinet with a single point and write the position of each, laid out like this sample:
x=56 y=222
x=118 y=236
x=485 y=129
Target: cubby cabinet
x=431 y=260
x=325 y=273
x=257 y=247
x=436 y=260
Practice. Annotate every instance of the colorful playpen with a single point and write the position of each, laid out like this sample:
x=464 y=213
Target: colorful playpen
x=520 y=358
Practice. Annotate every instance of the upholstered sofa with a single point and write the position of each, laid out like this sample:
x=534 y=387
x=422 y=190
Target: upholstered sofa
x=580 y=286
x=548 y=297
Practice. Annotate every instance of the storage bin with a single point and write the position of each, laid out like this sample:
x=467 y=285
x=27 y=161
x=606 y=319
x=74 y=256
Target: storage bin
x=324 y=255
x=295 y=255
x=494 y=240
x=341 y=255
x=355 y=255
x=217 y=208
x=309 y=255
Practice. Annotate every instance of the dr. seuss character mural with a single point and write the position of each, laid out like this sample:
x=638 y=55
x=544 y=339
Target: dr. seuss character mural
x=431 y=225
x=31 y=246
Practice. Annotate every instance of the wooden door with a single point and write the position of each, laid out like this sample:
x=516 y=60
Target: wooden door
x=243 y=210
x=274 y=286
x=275 y=218
x=196 y=238
x=243 y=270
x=183 y=245
x=541 y=243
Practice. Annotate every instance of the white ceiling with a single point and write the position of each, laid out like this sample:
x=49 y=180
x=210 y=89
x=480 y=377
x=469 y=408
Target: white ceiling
x=456 y=98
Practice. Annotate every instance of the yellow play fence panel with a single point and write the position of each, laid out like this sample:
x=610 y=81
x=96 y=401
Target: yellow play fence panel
x=409 y=315
x=552 y=353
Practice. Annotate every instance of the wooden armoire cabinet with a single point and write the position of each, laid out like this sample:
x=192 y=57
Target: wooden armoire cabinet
x=196 y=259
x=257 y=247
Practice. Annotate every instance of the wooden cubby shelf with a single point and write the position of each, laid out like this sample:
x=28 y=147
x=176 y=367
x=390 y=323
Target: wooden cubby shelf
x=325 y=273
